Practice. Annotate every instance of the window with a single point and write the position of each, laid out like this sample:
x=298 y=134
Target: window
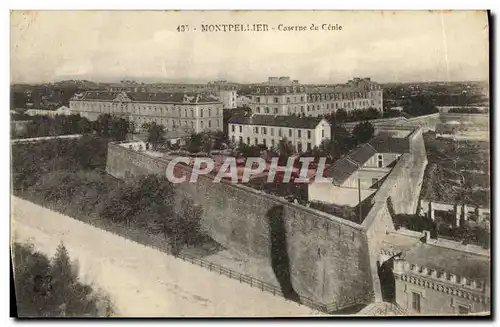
x=256 y=141
x=309 y=134
x=241 y=129
x=201 y=113
x=201 y=124
x=415 y=301
x=267 y=110
x=301 y=99
x=279 y=132
x=192 y=113
x=264 y=130
x=258 y=110
x=322 y=133
x=232 y=128
x=257 y=99
x=192 y=124
x=290 y=133
x=380 y=161
x=248 y=140
x=272 y=142
x=275 y=111
x=256 y=130
x=209 y=112
x=309 y=147
x=272 y=131
x=299 y=147
x=463 y=310
x=185 y=113
x=209 y=124
x=232 y=138
x=241 y=139
x=299 y=133
x=287 y=99
x=264 y=141
x=276 y=100
x=302 y=108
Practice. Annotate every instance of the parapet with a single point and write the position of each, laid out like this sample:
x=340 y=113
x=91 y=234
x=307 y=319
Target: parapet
x=401 y=267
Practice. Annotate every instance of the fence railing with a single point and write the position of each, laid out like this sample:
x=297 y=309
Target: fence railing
x=158 y=243
x=275 y=290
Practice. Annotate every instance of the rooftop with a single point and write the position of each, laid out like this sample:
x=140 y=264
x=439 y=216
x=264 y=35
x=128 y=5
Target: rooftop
x=347 y=165
x=280 y=121
x=172 y=97
x=439 y=257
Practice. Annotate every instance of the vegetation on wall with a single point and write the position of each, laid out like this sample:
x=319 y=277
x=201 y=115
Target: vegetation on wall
x=69 y=176
x=106 y=126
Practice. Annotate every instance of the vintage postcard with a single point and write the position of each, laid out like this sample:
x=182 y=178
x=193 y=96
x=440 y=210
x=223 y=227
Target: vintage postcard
x=250 y=163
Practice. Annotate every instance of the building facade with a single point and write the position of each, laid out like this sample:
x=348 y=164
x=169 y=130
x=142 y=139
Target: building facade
x=278 y=96
x=423 y=290
x=303 y=133
x=194 y=113
x=356 y=94
x=228 y=98
x=282 y=96
x=359 y=174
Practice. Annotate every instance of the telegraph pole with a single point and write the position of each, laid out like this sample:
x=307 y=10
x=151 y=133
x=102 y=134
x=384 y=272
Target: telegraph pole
x=359 y=204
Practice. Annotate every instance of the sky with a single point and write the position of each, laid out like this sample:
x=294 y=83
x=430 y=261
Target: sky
x=387 y=46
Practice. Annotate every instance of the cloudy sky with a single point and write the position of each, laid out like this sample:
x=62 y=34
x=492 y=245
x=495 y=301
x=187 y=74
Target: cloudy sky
x=145 y=45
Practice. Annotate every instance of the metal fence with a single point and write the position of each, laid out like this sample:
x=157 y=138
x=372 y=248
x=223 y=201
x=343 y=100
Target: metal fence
x=266 y=287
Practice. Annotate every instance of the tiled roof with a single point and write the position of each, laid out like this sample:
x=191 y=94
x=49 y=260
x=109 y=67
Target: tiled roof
x=341 y=170
x=96 y=95
x=161 y=97
x=449 y=260
x=346 y=166
x=362 y=154
x=385 y=144
x=177 y=97
x=280 y=121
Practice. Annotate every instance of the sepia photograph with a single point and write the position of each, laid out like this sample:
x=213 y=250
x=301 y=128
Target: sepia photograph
x=250 y=164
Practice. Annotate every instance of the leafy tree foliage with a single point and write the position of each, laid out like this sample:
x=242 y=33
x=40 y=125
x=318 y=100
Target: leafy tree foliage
x=51 y=288
x=363 y=132
x=285 y=147
x=156 y=134
x=112 y=127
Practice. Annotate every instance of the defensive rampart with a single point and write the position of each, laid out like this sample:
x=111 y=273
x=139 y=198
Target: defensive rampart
x=312 y=253
x=399 y=193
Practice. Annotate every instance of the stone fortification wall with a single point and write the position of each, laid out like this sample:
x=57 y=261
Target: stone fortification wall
x=312 y=253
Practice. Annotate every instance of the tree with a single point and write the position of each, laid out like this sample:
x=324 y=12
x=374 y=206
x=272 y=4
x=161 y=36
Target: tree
x=156 y=134
x=112 y=127
x=343 y=140
x=119 y=129
x=285 y=148
x=328 y=148
x=363 y=132
x=419 y=105
x=340 y=115
x=50 y=288
x=248 y=151
x=220 y=140
x=195 y=143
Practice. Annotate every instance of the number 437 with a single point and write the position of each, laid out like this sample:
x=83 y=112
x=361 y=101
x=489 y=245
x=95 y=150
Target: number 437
x=182 y=28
